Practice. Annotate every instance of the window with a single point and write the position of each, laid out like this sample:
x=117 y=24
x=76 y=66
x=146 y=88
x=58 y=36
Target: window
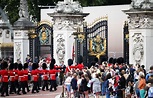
x=7 y=34
x=0 y=33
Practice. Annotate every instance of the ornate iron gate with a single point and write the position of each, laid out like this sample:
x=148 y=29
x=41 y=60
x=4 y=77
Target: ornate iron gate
x=95 y=41
x=44 y=40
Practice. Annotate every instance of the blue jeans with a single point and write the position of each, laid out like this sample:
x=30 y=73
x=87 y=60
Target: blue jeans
x=103 y=88
x=137 y=92
x=68 y=87
x=107 y=93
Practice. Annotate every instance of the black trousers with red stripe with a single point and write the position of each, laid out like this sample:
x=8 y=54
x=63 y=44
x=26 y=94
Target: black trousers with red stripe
x=12 y=87
x=35 y=87
x=53 y=85
x=45 y=85
x=4 y=88
x=26 y=85
x=21 y=85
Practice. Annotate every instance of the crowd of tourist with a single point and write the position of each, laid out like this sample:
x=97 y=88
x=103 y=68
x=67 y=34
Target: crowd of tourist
x=113 y=80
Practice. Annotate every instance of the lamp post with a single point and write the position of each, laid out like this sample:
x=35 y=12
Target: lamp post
x=126 y=43
x=32 y=35
x=81 y=36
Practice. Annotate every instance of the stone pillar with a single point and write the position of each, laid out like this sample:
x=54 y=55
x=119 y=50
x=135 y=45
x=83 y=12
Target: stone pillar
x=21 y=45
x=68 y=16
x=21 y=29
x=140 y=33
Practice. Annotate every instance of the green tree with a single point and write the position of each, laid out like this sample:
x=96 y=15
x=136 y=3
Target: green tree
x=11 y=6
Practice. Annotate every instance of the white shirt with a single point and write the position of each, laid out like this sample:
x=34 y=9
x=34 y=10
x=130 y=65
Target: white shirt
x=68 y=80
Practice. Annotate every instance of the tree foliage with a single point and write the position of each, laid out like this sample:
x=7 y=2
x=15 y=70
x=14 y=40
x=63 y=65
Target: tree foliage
x=11 y=6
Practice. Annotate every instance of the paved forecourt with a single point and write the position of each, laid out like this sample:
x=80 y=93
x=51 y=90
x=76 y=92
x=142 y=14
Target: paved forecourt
x=41 y=94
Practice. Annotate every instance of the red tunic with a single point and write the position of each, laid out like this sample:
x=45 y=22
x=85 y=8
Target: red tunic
x=25 y=72
x=70 y=68
x=21 y=75
x=34 y=74
x=56 y=67
x=45 y=74
x=38 y=72
x=16 y=75
x=12 y=75
x=4 y=74
x=52 y=74
x=80 y=66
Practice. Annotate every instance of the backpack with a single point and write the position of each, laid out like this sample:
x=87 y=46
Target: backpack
x=148 y=75
x=150 y=92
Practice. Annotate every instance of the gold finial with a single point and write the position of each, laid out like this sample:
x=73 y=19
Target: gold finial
x=97 y=20
x=43 y=29
x=45 y=22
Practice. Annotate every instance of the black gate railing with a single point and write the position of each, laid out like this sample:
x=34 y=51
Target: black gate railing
x=44 y=41
x=92 y=42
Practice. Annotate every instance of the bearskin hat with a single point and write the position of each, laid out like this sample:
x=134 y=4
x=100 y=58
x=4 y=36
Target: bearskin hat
x=15 y=65
x=25 y=65
x=34 y=66
x=114 y=61
x=11 y=67
x=20 y=66
x=110 y=60
x=4 y=65
x=44 y=65
x=52 y=63
x=70 y=62
x=80 y=59
x=120 y=60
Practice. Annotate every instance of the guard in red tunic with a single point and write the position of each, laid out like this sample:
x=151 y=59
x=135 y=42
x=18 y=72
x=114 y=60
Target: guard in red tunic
x=52 y=74
x=16 y=75
x=35 y=74
x=70 y=68
x=26 y=73
x=45 y=74
x=21 y=80
x=39 y=76
x=12 y=78
x=4 y=75
x=80 y=65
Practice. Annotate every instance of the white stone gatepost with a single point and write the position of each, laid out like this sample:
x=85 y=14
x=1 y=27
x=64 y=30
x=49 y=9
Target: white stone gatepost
x=141 y=33
x=21 y=29
x=67 y=17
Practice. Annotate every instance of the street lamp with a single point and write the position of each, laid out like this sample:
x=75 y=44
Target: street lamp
x=81 y=36
x=32 y=35
x=126 y=42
